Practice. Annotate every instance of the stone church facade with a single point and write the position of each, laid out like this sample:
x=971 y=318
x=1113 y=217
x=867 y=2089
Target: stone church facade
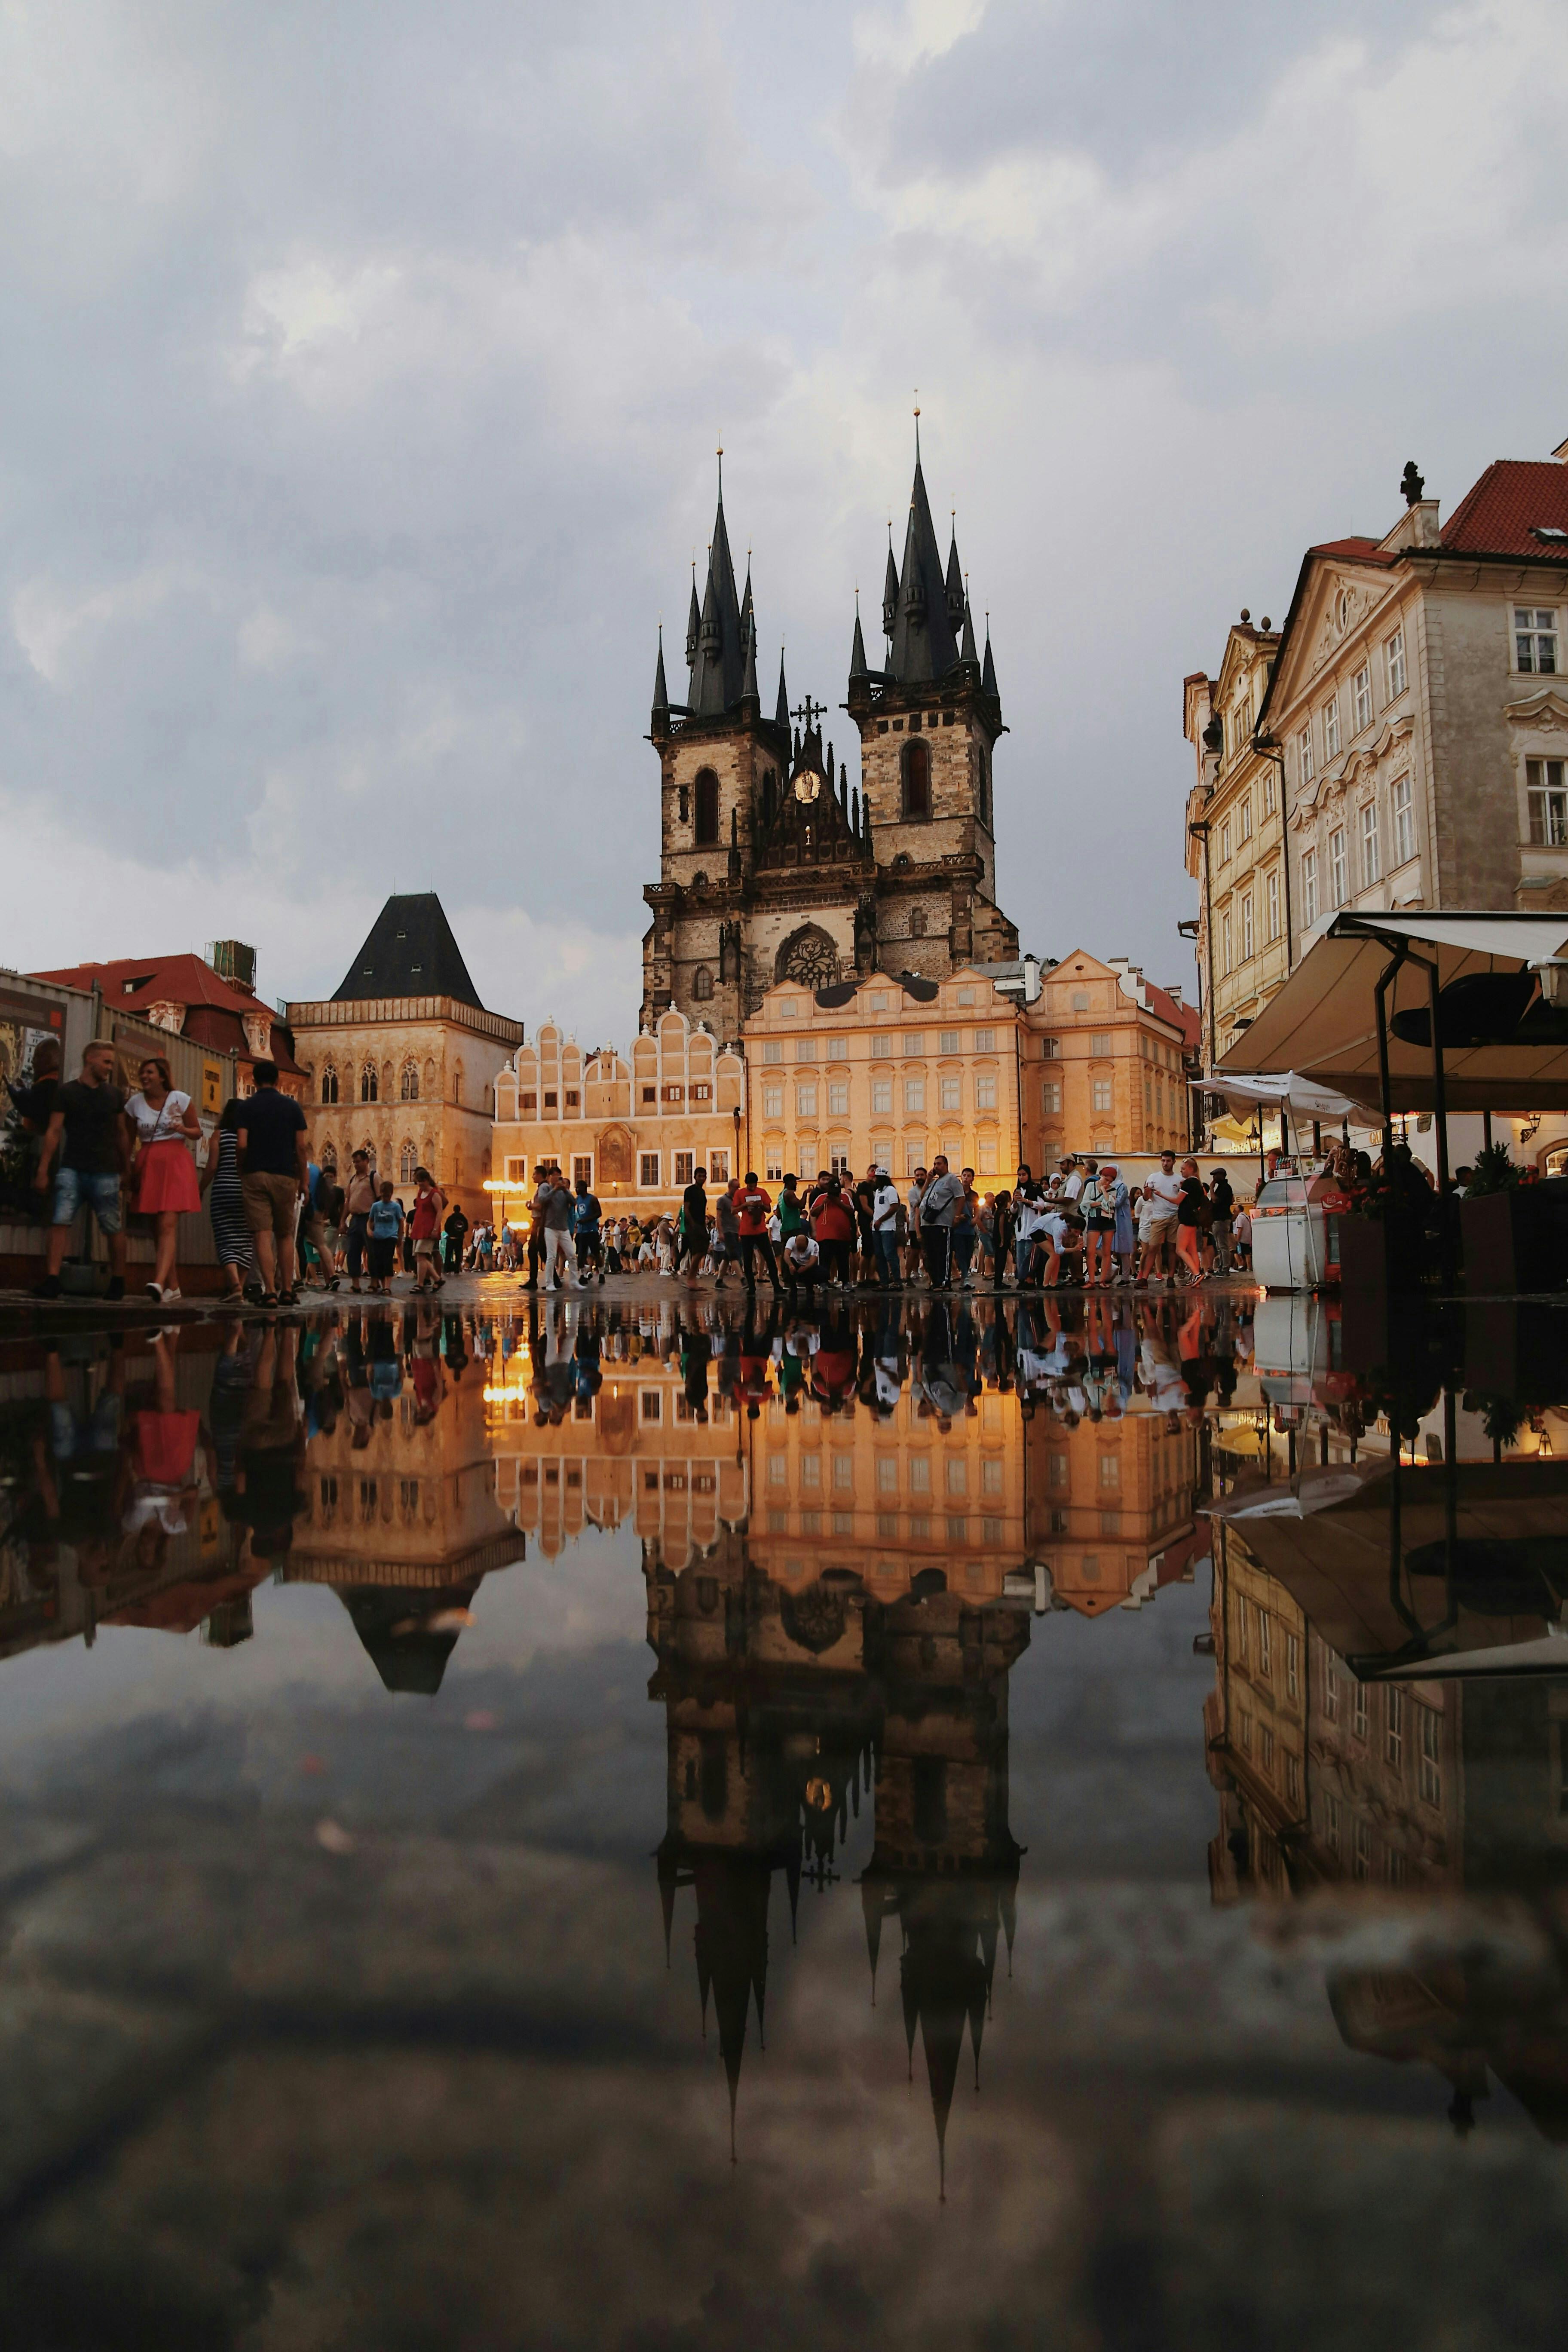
x=772 y=867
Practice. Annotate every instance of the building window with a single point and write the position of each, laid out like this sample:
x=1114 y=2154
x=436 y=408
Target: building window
x=1269 y=791
x=701 y=983
x=697 y=1093
x=1244 y=818
x=1361 y=689
x=1358 y=1712
x=1339 y=866
x=718 y=1164
x=1332 y=1694
x=913 y=1155
x=838 y=1049
x=1403 y=822
x=1051 y=1049
x=1264 y=1624
x=985 y=1093
x=1548 y=803
x=916 y=780
x=773 y=1162
x=1304 y=754
x=1361 y=1856
x=773 y=1102
x=1247 y=941
x=1225 y=842
x=684 y=1162
x=529 y=1105
x=1534 y=640
x=1332 y=729
x=914 y=1041
x=406 y=1165
x=1051 y=1098
x=330 y=1081
x=839 y=1098
x=1396 y=664
x=1393 y=1725
x=408 y=1083
x=1370 y=858
x=881 y=1048
x=1225 y=954
x=706 y=827
x=369 y=1085
x=805 y=1098
x=1431 y=1756
x=582 y=1168
x=1080 y=1000
x=917 y=924
x=882 y=1097
x=947 y=1040
x=952 y=1094
x=772 y=1049
x=915 y=1095
x=1101 y=1092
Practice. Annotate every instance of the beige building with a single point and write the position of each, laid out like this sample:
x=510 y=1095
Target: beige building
x=635 y=1125
x=1418 y=699
x=1109 y=1509
x=402 y=1061
x=1236 y=839
x=886 y=1070
x=1107 y=1058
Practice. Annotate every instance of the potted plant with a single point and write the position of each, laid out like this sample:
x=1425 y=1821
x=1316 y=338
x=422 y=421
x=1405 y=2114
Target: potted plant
x=1515 y=1232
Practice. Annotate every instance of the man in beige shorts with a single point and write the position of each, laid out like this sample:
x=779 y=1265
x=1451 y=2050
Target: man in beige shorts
x=274 y=1159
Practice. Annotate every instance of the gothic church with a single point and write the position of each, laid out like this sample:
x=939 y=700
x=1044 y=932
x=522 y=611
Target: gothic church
x=772 y=867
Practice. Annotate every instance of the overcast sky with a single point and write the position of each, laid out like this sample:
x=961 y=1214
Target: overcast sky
x=363 y=367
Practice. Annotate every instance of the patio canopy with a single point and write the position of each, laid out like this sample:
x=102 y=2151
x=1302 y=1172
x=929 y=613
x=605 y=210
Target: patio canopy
x=1322 y=1024
x=1303 y=1097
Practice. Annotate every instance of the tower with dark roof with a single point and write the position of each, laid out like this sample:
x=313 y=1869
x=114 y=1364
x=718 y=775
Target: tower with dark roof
x=771 y=865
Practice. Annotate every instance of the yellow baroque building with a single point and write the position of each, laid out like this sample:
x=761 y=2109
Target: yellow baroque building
x=637 y=1125
x=1109 y=1059
x=885 y=1070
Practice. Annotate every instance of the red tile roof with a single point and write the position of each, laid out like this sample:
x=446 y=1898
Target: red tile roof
x=1361 y=551
x=1514 y=496
x=214 y=1007
x=1184 y=1017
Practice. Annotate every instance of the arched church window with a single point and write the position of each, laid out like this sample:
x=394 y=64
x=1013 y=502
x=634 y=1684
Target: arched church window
x=702 y=983
x=706 y=827
x=917 y=780
x=329 y=1082
x=328 y=1158
x=406 y=1165
x=809 y=957
x=369 y=1089
x=409 y=1087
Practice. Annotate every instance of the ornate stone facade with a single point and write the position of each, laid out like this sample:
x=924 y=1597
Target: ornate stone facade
x=772 y=866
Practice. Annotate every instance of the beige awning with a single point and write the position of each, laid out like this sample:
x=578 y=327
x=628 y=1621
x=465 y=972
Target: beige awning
x=1322 y=1024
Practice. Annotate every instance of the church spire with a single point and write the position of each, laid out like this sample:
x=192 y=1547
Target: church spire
x=858 y=650
x=660 y=691
x=749 y=675
x=956 y=600
x=924 y=648
x=988 y=674
x=693 y=622
x=966 y=651
x=889 y=593
x=780 y=710
x=721 y=638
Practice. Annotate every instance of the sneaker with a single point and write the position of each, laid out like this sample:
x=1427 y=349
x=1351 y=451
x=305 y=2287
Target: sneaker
x=155 y=1290
x=172 y=1296
x=49 y=1287
x=116 y=1290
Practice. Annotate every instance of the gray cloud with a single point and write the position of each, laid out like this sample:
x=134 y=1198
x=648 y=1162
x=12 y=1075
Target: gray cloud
x=363 y=369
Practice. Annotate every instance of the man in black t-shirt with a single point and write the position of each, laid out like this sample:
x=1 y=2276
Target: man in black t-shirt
x=693 y=1243
x=88 y=1137
x=274 y=1159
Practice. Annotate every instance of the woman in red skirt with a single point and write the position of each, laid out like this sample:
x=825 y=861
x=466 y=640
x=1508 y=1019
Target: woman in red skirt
x=164 y=1175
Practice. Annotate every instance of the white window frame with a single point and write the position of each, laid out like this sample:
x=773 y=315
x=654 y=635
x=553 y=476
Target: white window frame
x=1403 y=804
x=1371 y=846
x=719 y=1170
x=581 y=1160
x=1051 y=1098
x=914 y=1098
x=1394 y=657
x=647 y=1184
x=1244 y=818
x=1103 y=1095
x=986 y=1091
x=882 y=1097
x=773 y=1102
x=1249 y=945
x=1535 y=641
x=1309 y=888
x=772 y=1049
x=1331 y=726
x=1225 y=953
x=951 y=1091
x=1272 y=902
x=1546 y=803
x=1361 y=697
x=681 y=1165
x=805 y=1100
x=1339 y=864
x=1304 y=758
x=838 y=1097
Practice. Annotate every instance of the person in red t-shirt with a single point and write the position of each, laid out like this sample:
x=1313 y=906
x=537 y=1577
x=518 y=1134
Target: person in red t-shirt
x=833 y=1223
x=753 y=1207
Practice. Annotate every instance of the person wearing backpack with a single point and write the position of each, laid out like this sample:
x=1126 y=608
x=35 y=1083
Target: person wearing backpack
x=314 y=1222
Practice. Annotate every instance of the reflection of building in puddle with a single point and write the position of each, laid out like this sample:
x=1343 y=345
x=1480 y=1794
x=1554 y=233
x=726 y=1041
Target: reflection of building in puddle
x=401 y=1517
x=1329 y=1779
x=786 y=1704
x=1109 y=1508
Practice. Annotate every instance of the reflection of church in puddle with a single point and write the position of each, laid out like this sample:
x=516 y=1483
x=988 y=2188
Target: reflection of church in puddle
x=1330 y=1778
x=401 y=1517
x=784 y=1711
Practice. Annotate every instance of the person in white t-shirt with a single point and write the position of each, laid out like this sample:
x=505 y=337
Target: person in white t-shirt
x=1071 y=1176
x=1164 y=1188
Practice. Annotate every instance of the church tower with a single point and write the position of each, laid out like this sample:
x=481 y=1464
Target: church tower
x=928 y=723
x=771 y=866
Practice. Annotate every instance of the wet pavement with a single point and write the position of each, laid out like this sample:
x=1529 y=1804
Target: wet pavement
x=601 y=1822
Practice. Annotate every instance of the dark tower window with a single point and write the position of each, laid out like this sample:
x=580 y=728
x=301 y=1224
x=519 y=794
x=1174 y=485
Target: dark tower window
x=702 y=983
x=985 y=788
x=929 y=1798
x=917 y=780
x=707 y=826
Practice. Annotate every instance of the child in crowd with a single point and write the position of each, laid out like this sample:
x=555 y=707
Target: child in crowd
x=1241 y=1236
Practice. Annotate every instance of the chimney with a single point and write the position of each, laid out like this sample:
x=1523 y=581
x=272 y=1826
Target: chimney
x=233 y=961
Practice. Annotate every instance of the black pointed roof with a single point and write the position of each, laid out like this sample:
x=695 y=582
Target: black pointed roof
x=410 y=952
x=956 y=598
x=660 y=691
x=781 y=712
x=988 y=674
x=923 y=646
x=858 y=650
x=719 y=666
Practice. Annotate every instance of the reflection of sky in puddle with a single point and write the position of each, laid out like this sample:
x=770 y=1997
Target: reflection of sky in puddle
x=895 y=1654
